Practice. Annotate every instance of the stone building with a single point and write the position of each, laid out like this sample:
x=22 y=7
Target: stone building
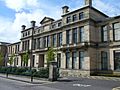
x=3 y=52
x=86 y=40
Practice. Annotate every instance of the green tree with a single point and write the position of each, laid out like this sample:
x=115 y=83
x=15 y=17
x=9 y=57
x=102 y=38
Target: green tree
x=11 y=60
x=1 y=59
x=50 y=56
x=25 y=58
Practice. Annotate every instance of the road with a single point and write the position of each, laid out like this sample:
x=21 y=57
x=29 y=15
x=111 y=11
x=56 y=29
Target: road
x=7 y=84
x=65 y=84
x=85 y=84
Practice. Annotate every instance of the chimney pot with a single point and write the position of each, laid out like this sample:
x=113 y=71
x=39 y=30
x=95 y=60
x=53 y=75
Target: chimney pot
x=88 y=2
x=65 y=9
x=33 y=23
x=23 y=27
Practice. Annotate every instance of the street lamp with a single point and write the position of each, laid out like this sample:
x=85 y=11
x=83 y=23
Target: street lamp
x=31 y=56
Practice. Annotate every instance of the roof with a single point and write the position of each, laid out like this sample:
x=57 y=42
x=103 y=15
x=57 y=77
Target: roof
x=45 y=19
x=85 y=8
x=13 y=43
x=4 y=43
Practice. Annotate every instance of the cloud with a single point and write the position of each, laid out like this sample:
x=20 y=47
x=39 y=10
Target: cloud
x=6 y=33
x=20 y=5
x=106 y=7
x=25 y=11
x=28 y=10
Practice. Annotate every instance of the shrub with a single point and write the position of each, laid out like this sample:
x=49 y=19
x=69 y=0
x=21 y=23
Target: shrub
x=3 y=69
x=20 y=71
x=42 y=73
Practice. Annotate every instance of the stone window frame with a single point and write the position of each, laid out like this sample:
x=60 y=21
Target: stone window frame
x=74 y=17
x=81 y=15
x=81 y=59
x=104 y=33
x=67 y=58
x=68 y=19
x=114 y=29
x=104 y=60
x=81 y=34
x=74 y=35
x=74 y=59
x=68 y=36
x=115 y=66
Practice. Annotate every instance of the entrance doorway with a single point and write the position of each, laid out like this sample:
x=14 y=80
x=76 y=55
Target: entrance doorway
x=41 y=60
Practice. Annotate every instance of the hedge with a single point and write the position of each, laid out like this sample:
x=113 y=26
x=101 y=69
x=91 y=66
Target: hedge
x=41 y=72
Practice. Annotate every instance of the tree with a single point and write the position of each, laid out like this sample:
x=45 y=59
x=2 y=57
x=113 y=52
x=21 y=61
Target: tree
x=50 y=56
x=11 y=60
x=25 y=58
x=1 y=59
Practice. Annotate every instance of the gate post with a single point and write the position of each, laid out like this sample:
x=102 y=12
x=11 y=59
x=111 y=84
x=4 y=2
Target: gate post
x=53 y=71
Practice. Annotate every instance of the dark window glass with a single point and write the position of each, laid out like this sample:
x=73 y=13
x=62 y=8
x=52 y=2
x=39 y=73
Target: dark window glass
x=74 y=60
x=75 y=35
x=81 y=60
x=104 y=33
x=104 y=61
x=68 y=60
x=54 y=40
x=81 y=34
x=68 y=19
x=59 y=39
x=68 y=37
x=59 y=60
x=81 y=15
x=75 y=17
x=54 y=26
x=59 y=24
x=44 y=41
x=48 y=41
x=117 y=60
x=116 y=31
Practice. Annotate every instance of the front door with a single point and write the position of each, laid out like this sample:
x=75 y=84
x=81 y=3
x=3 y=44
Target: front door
x=41 y=60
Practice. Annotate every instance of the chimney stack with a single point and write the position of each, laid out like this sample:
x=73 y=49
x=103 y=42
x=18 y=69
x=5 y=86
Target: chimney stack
x=65 y=9
x=23 y=27
x=88 y=3
x=33 y=23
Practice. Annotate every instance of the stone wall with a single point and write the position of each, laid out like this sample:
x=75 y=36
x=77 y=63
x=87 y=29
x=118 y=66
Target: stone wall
x=74 y=73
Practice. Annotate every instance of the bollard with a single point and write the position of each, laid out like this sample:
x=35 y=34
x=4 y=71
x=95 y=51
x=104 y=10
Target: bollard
x=6 y=74
x=31 y=78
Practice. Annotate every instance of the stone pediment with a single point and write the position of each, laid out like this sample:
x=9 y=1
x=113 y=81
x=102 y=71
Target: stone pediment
x=46 y=20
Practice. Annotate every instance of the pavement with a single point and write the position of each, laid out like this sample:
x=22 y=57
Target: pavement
x=117 y=88
x=26 y=79
x=71 y=83
x=102 y=78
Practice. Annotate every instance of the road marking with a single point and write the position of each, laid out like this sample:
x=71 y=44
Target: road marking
x=81 y=85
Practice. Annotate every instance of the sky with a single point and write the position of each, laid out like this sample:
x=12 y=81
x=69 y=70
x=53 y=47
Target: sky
x=14 y=13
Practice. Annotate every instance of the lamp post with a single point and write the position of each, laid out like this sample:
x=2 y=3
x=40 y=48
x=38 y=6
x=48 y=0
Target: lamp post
x=31 y=50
